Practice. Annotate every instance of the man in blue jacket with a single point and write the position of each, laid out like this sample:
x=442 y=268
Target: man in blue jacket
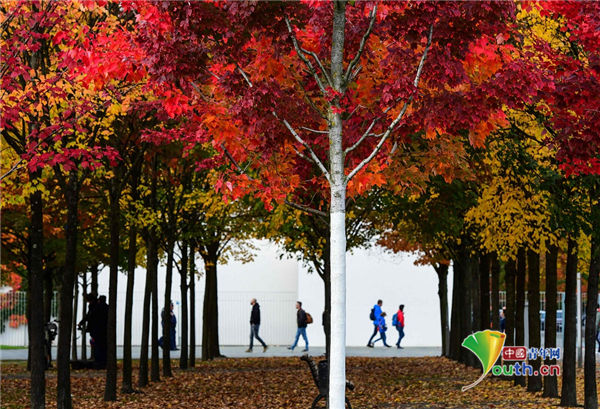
x=375 y=314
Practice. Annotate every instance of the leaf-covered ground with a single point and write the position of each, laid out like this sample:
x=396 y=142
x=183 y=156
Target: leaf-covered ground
x=286 y=383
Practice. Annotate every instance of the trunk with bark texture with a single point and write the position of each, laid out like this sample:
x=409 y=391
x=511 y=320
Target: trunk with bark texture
x=484 y=291
x=337 y=357
x=442 y=273
x=590 y=388
x=165 y=315
x=520 y=307
x=569 y=385
x=63 y=376
x=110 y=390
x=127 y=383
x=510 y=274
x=36 y=321
x=151 y=263
x=210 y=319
x=48 y=294
x=192 y=360
x=495 y=296
x=534 y=382
x=183 y=357
x=550 y=381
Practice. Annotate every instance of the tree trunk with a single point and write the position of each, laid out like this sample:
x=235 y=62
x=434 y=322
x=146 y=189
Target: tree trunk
x=110 y=390
x=165 y=315
x=327 y=312
x=155 y=359
x=337 y=217
x=36 y=291
x=442 y=273
x=534 y=382
x=48 y=294
x=455 y=330
x=475 y=295
x=83 y=314
x=127 y=383
x=590 y=392
x=495 y=267
x=94 y=275
x=550 y=381
x=183 y=357
x=210 y=319
x=74 y=322
x=520 y=307
x=569 y=385
x=151 y=267
x=63 y=388
x=484 y=291
x=466 y=356
x=510 y=274
x=192 y=360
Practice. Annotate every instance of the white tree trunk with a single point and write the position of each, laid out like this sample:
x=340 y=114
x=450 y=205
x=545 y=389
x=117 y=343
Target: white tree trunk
x=337 y=364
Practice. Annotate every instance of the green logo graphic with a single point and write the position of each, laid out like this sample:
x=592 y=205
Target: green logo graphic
x=487 y=346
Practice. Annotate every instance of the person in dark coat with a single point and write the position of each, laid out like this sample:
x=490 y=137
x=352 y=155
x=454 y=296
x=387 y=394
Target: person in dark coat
x=86 y=322
x=302 y=323
x=254 y=325
x=171 y=316
x=98 y=327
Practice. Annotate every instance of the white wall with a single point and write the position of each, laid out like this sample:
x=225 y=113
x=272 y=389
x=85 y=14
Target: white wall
x=278 y=283
x=373 y=274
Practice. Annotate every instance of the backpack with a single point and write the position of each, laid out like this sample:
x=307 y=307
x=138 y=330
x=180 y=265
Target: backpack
x=309 y=319
x=395 y=320
x=372 y=315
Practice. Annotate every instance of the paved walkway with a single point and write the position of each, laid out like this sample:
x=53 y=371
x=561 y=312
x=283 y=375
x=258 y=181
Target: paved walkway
x=273 y=351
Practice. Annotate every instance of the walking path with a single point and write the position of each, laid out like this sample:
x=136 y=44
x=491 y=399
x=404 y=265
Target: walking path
x=273 y=351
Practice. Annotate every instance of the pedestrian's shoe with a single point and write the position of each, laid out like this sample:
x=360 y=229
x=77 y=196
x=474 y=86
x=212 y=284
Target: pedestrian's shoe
x=249 y=350
x=388 y=346
x=265 y=348
x=290 y=348
x=370 y=345
x=400 y=347
x=305 y=350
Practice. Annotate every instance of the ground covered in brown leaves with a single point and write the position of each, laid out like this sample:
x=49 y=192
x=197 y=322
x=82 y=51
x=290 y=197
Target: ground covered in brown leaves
x=286 y=383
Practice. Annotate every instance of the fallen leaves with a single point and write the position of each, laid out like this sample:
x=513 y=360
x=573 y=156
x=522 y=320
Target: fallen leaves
x=397 y=383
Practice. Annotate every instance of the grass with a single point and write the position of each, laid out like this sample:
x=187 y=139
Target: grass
x=11 y=347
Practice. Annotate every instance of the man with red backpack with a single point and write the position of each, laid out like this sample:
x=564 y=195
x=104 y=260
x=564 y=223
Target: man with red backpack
x=398 y=322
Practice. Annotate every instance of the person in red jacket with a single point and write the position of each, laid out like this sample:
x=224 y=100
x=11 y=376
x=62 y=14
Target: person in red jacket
x=400 y=324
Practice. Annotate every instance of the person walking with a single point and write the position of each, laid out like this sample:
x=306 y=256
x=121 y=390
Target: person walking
x=382 y=328
x=254 y=325
x=302 y=323
x=374 y=316
x=398 y=322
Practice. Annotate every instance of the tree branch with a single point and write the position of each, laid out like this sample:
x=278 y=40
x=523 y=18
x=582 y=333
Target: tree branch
x=305 y=60
x=400 y=115
x=306 y=208
x=361 y=47
x=313 y=156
